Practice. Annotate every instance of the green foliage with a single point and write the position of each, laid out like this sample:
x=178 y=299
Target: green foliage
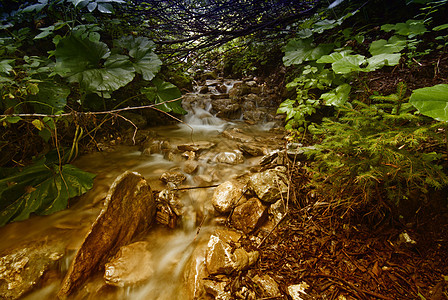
x=432 y=101
x=345 y=63
x=141 y=51
x=375 y=148
x=298 y=51
x=308 y=86
x=81 y=60
x=42 y=188
x=410 y=29
x=164 y=93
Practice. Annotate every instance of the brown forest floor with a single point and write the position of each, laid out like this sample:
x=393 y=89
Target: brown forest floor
x=359 y=255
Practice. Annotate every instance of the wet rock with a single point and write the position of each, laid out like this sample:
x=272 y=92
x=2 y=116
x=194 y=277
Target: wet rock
x=219 y=96
x=191 y=101
x=22 y=268
x=174 y=156
x=236 y=135
x=277 y=210
x=209 y=82
x=225 y=108
x=198 y=146
x=130 y=266
x=270 y=185
x=203 y=179
x=175 y=177
x=251 y=83
x=215 y=288
x=129 y=209
x=256 y=115
x=190 y=166
x=298 y=291
x=152 y=146
x=252 y=149
x=249 y=215
x=227 y=195
x=268 y=286
x=203 y=89
x=195 y=274
x=190 y=155
x=238 y=90
x=243 y=259
x=230 y=157
x=222 y=88
x=220 y=257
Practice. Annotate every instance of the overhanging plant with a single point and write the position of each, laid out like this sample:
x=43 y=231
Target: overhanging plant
x=42 y=188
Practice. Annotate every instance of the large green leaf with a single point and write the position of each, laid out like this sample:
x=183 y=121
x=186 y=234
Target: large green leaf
x=81 y=60
x=137 y=46
x=52 y=98
x=75 y=54
x=144 y=60
x=117 y=72
x=432 y=101
x=164 y=91
x=298 y=51
x=394 y=45
x=348 y=64
x=42 y=189
x=337 y=97
x=149 y=65
x=378 y=61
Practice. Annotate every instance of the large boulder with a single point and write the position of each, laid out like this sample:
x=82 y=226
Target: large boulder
x=227 y=195
x=249 y=215
x=270 y=185
x=220 y=256
x=129 y=209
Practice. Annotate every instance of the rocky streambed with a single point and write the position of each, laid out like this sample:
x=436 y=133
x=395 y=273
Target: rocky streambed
x=165 y=219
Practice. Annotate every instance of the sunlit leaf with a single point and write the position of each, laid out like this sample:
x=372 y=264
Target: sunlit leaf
x=105 y=8
x=432 y=101
x=378 y=61
x=347 y=64
x=393 y=45
x=338 y=96
x=38 y=124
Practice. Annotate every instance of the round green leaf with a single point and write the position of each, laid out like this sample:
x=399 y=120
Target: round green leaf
x=432 y=101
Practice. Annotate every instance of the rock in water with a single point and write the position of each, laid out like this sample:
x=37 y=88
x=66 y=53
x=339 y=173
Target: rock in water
x=129 y=209
x=131 y=265
x=22 y=268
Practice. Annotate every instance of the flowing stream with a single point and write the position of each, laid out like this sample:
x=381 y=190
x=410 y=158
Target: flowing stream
x=170 y=249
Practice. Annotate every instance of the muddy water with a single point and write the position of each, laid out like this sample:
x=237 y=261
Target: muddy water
x=170 y=249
